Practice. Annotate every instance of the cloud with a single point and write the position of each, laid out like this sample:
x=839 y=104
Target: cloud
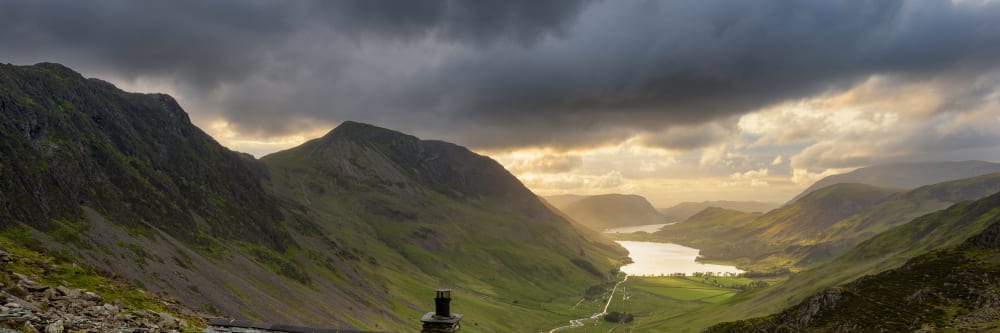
x=805 y=178
x=548 y=163
x=612 y=179
x=751 y=178
x=690 y=137
x=509 y=73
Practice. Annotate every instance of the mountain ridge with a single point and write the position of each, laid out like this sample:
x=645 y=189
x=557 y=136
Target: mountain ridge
x=907 y=175
x=684 y=210
x=605 y=211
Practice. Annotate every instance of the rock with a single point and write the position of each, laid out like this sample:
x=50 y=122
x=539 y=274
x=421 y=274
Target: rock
x=69 y=292
x=167 y=321
x=50 y=294
x=92 y=296
x=17 y=315
x=5 y=257
x=30 y=329
x=33 y=286
x=55 y=327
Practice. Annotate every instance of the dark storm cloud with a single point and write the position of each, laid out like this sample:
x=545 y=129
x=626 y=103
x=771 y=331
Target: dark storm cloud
x=197 y=42
x=212 y=42
x=504 y=73
x=669 y=63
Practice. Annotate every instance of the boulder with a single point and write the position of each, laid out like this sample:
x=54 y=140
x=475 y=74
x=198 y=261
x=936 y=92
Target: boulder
x=55 y=327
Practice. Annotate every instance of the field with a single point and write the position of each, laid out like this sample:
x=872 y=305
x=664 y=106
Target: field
x=654 y=298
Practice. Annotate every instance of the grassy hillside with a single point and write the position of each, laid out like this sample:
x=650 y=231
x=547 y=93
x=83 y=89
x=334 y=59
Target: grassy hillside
x=907 y=175
x=707 y=228
x=949 y=289
x=437 y=214
x=761 y=242
x=561 y=200
x=815 y=212
x=684 y=210
x=605 y=211
x=896 y=210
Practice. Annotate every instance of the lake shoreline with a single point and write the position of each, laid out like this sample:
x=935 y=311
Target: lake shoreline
x=666 y=259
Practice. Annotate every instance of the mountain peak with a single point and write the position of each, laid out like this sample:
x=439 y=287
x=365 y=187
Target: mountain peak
x=358 y=131
x=400 y=163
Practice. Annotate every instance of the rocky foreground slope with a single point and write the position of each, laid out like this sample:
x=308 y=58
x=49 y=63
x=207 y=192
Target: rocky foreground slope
x=39 y=293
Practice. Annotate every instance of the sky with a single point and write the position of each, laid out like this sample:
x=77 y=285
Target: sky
x=674 y=100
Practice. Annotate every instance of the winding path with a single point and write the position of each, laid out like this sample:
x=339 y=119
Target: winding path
x=579 y=322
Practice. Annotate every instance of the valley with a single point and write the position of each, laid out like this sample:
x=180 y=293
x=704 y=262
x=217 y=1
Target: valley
x=571 y=166
x=925 y=240
x=119 y=193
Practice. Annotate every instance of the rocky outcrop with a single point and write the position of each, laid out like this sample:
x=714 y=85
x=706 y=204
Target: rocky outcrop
x=988 y=239
x=29 y=306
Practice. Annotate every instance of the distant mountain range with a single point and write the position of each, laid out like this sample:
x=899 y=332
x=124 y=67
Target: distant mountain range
x=685 y=210
x=822 y=224
x=600 y=212
x=907 y=175
x=354 y=229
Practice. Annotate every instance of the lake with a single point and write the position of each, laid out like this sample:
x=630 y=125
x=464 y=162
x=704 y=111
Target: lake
x=651 y=258
x=650 y=228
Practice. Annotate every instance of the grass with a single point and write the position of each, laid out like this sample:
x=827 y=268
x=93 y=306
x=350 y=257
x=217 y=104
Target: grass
x=682 y=288
x=651 y=299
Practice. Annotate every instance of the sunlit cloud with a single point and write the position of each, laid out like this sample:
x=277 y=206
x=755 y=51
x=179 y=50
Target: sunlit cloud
x=223 y=132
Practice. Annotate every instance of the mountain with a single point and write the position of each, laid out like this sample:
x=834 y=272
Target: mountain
x=605 y=211
x=70 y=142
x=954 y=288
x=768 y=235
x=352 y=230
x=561 y=200
x=435 y=211
x=896 y=210
x=907 y=175
x=823 y=224
x=685 y=210
x=706 y=228
x=816 y=211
